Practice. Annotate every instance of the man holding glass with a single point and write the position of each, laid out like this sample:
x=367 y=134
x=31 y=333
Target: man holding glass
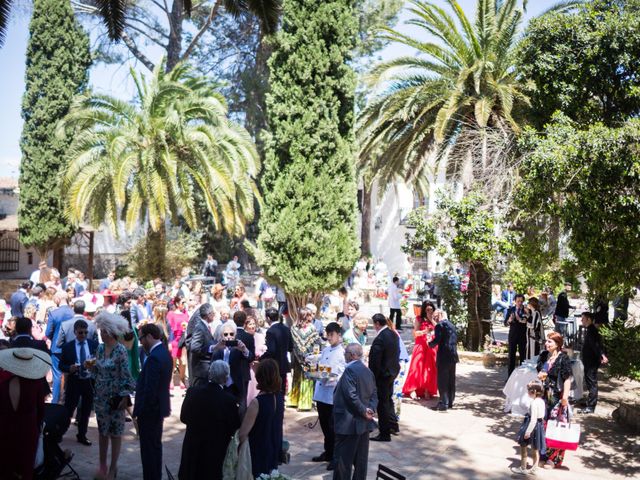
x=76 y=359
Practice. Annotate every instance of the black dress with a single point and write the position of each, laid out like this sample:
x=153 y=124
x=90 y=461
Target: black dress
x=265 y=438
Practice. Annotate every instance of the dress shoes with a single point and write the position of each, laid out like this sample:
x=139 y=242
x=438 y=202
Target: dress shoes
x=394 y=432
x=84 y=441
x=331 y=466
x=439 y=408
x=380 y=438
x=321 y=458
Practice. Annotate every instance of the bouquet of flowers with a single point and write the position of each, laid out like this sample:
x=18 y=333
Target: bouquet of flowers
x=274 y=475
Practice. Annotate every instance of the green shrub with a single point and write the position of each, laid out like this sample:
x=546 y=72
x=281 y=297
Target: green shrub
x=623 y=350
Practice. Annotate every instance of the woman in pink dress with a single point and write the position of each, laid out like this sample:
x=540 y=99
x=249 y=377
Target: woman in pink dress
x=178 y=319
x=422 y=378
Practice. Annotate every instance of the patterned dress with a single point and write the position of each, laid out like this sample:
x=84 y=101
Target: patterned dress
x=112 y=378
x=301 y=394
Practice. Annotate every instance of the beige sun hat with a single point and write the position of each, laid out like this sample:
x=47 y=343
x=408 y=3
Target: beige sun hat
x=25 y=362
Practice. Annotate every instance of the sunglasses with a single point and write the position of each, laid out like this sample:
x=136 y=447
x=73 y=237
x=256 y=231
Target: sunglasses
x=227 y=334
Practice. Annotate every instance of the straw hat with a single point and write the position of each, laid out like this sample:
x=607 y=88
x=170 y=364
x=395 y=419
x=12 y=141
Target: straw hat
x=25 y=362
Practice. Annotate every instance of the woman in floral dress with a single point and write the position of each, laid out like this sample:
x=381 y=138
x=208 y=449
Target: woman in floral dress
x=113 y=386
x=305 y=336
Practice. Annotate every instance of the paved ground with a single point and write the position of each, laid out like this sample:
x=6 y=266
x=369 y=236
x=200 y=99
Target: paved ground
x=475 y=440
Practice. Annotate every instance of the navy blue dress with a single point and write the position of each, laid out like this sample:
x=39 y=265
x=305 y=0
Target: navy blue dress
x=536 y=439
x=265 y=438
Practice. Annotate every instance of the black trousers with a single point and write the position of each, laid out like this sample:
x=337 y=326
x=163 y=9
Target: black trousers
x=591 y=379
x=398 y=314
x=387 y=420
x=75 y=390
x=447 y=383
x=150 y=429
x=352 y=451
x=325 y=416
x=517 y=342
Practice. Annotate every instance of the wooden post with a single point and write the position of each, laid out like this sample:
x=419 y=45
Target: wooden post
x=90 y=266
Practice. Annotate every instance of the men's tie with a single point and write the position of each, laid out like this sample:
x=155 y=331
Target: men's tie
x=83 y=357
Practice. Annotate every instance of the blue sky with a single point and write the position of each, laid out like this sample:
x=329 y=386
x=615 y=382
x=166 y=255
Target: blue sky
x=109 y=79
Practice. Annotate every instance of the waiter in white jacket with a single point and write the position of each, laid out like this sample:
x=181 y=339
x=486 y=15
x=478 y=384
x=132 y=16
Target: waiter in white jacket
x=332 y=356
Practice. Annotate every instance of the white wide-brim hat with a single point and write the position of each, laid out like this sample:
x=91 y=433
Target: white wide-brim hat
x=25 y=362
x=92 y=301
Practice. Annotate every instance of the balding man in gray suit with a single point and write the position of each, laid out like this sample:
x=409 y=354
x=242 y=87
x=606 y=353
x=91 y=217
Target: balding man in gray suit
x=354 y=401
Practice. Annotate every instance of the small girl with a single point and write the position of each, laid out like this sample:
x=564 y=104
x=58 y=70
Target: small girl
x=532 y=430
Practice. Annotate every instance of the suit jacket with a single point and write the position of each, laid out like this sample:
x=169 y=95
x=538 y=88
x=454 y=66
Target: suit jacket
x=237 y=365
x=18 y=301
x=69 y=356
x=446 y=339
x=384 y=356
x=152 y=389
x=508 y=297
x=29 y=342
x=56 y=318
x=250 y=343
x=193 y=321
x=201 y=340
x=279 y=341
x=355 y=392
x=66 y=333
x=211 y=416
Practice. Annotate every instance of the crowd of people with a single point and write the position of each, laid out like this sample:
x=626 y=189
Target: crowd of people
x=125 y=350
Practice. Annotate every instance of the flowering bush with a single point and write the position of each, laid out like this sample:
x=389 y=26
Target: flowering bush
x=494 y=346
x=275 y=475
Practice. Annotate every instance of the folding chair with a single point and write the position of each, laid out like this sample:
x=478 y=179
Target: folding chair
x=385 y=473
x=169 y=474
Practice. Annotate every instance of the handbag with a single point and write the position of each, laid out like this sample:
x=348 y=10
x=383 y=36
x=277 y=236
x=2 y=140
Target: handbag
x=562 y=435
x=182 y=342
x=114 y=402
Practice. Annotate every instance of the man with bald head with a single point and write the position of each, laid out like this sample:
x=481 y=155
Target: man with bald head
x=354 y=401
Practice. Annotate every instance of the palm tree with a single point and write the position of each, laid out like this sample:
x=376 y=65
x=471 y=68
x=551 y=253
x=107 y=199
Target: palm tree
x=454 y=104
x=150 y=162
x=112 y=13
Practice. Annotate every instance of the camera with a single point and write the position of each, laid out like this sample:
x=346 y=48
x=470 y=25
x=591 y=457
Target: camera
x=231 y=343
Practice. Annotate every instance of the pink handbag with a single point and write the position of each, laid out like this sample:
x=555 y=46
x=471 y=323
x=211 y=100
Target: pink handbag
x=562 y=435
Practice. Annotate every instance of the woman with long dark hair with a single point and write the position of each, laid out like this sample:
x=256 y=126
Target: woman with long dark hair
x=554 y=369
x=422 y=378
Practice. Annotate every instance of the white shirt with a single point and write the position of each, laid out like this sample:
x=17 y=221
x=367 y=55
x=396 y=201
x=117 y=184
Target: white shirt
x=35 y=277
x=334 y=357
x=394 y=296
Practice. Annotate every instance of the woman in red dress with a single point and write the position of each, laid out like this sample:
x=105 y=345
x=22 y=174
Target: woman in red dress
x=22 y=395
x=422 y=378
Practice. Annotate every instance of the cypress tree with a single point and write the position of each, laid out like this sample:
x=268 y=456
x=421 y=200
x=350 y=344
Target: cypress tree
x=307 y=242
x=57 y=61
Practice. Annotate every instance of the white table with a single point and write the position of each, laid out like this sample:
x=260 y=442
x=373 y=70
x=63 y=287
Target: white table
x=515 y=390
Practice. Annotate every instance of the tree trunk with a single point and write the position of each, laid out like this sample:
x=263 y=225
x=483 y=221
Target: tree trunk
x=256 y=94
x=174 y=46
x=297 y=301
x=365 y=229
x=479 y=303
x=155 y=261
x=554 y=238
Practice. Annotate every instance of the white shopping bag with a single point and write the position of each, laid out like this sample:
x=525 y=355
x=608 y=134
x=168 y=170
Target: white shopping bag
x=562 y=435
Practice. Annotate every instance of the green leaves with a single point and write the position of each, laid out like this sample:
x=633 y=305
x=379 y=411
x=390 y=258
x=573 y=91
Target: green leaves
x=307 y=241
x=146 y=160
x=57 y=61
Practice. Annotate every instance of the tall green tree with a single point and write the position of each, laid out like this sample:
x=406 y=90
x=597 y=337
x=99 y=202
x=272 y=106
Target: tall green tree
x=147 y=162
x=307 y=242
x=57 y=61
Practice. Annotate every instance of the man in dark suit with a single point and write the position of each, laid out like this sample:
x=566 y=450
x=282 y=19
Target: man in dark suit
x=211 y=416
x=19 y=299
x=200 y=346
x=354 y=402
x=384 y=362
x=194 y=320
x=517 y=322
x=67 y=327
x=446 y=339
x=152 y=400
x=78 y=385
x=279 y=343
x=237 y=357
x=56 y=317
x=239 y=318
x=23 y=338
